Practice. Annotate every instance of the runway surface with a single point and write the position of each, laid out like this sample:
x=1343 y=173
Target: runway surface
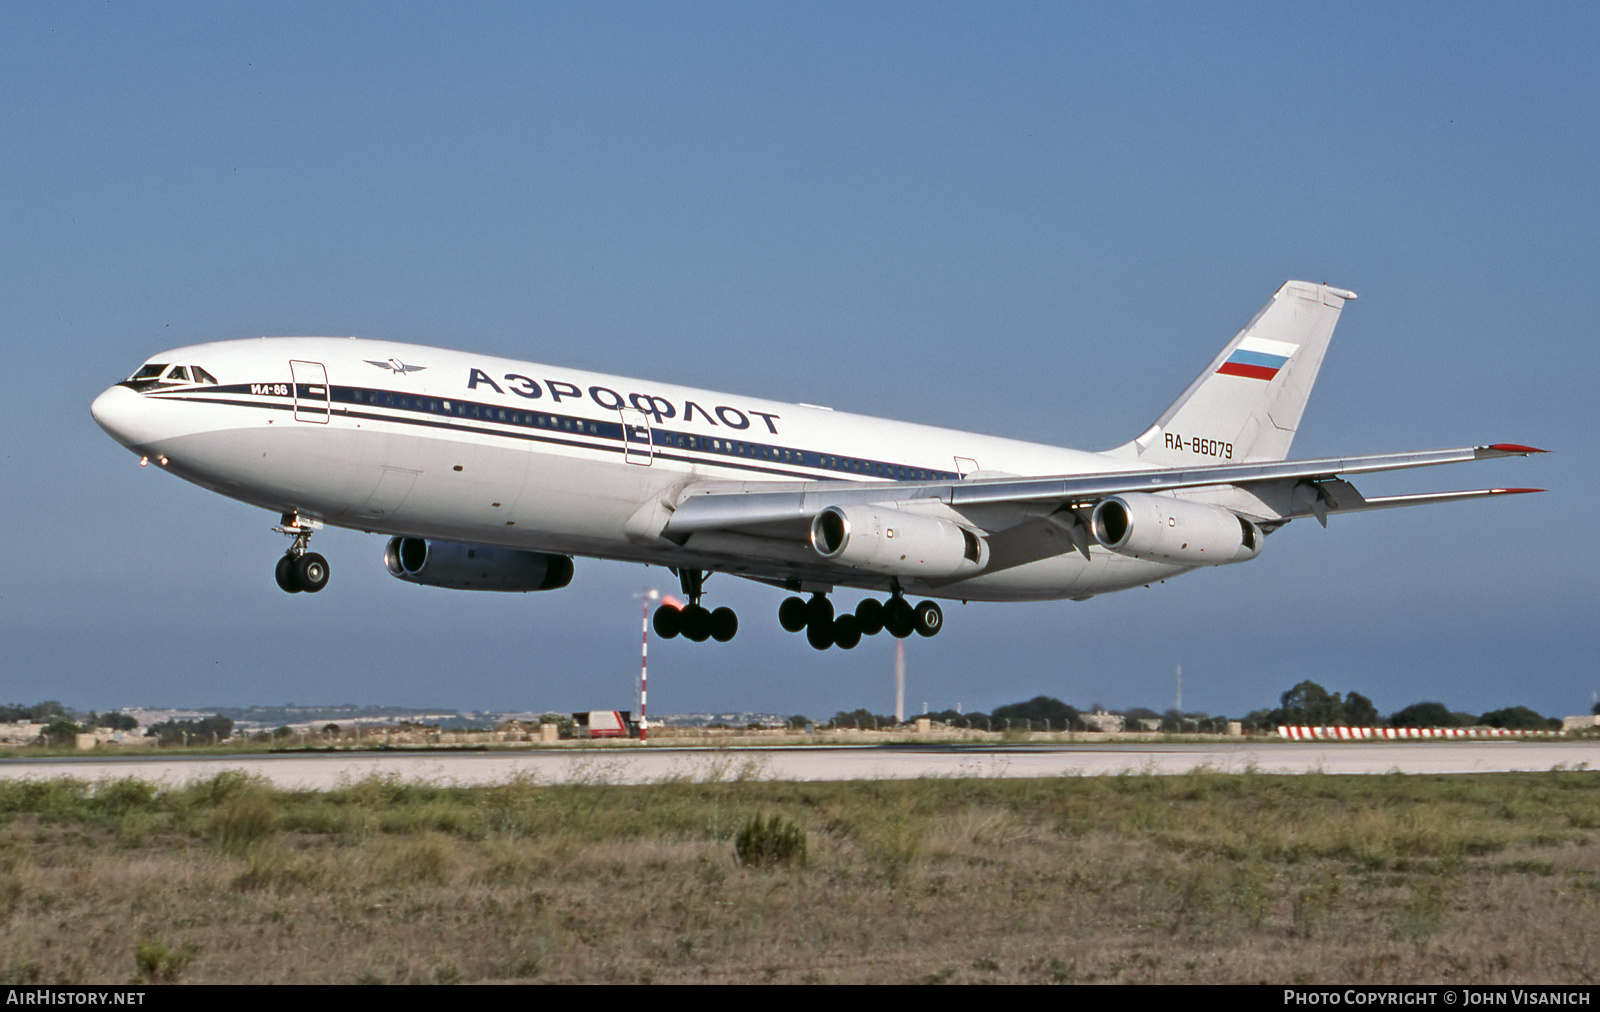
x=651 y=764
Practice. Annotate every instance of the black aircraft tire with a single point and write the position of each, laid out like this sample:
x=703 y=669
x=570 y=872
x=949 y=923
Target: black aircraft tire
x=930 y=619
x=819 y=635
x=899 y=618
x=870 y=614
x=285 y=575
x=696 y=623
x=724 y=625
x=819 y=613
x=311 y=572
x=668 y=621
x=846 y=632
x=792 y=614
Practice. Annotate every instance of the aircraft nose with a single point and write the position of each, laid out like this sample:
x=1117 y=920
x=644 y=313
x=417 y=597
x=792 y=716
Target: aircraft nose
x=116 y=411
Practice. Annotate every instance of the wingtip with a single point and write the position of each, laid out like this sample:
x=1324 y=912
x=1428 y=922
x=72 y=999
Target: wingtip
x=1517 y=491
x=1508 y=450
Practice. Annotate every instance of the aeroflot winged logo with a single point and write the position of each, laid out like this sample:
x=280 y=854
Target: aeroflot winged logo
x=395 y=365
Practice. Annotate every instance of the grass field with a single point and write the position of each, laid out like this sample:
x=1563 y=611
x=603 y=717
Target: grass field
x=1206 y=877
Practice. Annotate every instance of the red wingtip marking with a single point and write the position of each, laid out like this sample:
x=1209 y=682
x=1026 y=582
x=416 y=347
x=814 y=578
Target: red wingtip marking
x=1515 y=448
x=1517 y=491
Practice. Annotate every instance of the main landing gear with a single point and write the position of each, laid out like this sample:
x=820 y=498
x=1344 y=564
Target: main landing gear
x=300 y=570
x=815 y=617
x=823 y=629
x=694 y=621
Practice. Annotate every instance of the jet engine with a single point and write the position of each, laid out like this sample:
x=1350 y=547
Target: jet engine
x=1158 y=528
x=475 y=567
x=897 y=543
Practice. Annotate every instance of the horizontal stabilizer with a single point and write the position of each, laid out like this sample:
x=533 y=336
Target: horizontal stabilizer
x=1386 y=502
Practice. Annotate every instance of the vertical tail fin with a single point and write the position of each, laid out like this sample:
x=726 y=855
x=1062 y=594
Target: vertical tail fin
x=1247 y=403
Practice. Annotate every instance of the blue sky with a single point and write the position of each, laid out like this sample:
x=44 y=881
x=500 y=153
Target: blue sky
x=1037 y=220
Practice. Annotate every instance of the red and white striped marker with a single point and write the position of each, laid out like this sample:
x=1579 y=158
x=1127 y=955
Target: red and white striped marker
x=644 y=667
x=1305 y=733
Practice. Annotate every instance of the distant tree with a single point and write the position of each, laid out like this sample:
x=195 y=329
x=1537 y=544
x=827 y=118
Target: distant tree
x=38 y=713
x=193 y=732
x=1260 y=720
x=60 y=731
x=1039 y=710
x=1140 y=718
x=1595 y=709
x=1359 y=711
x=331 y=730
x=863 y=718
x=1175 y=720
x=1427 y=714
x=1309 y=703
x=167 y=732
x=217 y=725
x=1430 y=714
x=115 y=721
x=1519 y=718
x=797 y=722
x=956 y=719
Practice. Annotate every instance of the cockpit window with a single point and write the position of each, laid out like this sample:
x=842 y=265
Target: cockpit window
x=150 y=371
x=201 y=376
x=179 y=373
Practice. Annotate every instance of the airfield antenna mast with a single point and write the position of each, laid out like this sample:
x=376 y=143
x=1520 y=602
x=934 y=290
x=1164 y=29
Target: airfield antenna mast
x=900 y=681
x=644 y=662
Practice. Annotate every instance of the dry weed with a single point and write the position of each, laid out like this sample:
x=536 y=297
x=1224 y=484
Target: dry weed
x=1212 y=877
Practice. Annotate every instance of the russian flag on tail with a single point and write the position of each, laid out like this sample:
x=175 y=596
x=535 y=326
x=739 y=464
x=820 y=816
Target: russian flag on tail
x=1257 y=358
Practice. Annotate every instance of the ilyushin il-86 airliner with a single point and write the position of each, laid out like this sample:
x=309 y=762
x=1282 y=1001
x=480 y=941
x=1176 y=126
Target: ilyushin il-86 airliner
x=491 y=474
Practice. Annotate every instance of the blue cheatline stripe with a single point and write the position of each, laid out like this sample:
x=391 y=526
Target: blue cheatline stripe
x=431 y=412
x=1260 y=358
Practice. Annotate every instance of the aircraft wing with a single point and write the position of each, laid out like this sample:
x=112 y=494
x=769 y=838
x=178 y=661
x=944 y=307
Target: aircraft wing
x=1273 y=492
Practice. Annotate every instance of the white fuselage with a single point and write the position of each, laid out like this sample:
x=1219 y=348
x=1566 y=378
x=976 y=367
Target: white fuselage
x=424 y=442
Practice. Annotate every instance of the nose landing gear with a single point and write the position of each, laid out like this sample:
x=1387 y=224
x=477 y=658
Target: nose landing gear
x=823 y=629
x=300 y=570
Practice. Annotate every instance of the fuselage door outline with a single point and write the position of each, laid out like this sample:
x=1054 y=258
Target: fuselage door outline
x=637 y=446
x=311 y=400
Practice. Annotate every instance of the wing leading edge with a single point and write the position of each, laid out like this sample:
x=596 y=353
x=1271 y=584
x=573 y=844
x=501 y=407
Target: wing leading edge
x=1275 y=491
